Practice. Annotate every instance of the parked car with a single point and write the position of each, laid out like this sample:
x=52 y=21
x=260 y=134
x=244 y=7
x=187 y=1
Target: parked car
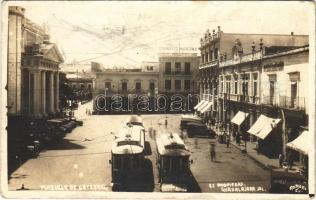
x=185 y=119
x=198 y=129
x=57 y=128
x=78 y=122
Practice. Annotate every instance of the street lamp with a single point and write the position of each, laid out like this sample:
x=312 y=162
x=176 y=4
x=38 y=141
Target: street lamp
x=261 y=44
x=253 y=46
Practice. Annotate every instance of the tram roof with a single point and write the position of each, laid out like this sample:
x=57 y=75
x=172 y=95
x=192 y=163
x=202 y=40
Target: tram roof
x=171 y=145
x=190 y=117
x=132 y=133
x=134 y=118
x=127 y=149
x=130 y=140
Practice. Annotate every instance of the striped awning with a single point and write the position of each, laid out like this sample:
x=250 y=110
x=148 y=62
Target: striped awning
x=300 y=144
x=239 y=118
x=263 y=126
x=199 y=104
x=202 y=106
x=206 y=108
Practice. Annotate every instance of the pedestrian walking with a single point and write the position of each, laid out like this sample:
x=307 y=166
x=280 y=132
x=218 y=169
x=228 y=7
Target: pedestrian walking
x=290 y=161
x=227 y=141
x=213 y=153
x=281 y=158
x=154 y=133
x=196 y=143
x=238 y=138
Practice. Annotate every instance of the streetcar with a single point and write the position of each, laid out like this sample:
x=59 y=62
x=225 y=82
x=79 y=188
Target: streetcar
x=127 y=155
x=134 y=120
x=173 y=163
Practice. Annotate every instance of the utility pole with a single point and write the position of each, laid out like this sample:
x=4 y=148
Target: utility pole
x=284 y=134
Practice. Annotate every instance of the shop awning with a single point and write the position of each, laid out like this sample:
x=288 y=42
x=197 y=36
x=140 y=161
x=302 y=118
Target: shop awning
x=199 y=104
x=207 y=107
x=300 y=144
x=263 y=126
x=239 y=118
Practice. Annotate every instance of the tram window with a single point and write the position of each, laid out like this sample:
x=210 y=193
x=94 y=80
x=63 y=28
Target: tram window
x=175 y=164
x=117 y=162
x=127 y=162
x=135 y=161
x=185 y=163
x=166 y=164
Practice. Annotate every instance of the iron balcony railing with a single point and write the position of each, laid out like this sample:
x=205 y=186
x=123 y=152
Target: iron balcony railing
x=269 y=100
x=240 y=98
x=175 y=73
x=209 y=64
x=244 y=58
x=293 y=103
x=297 y=103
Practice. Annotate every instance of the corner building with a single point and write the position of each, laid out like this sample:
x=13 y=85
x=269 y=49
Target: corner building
x=262 y=96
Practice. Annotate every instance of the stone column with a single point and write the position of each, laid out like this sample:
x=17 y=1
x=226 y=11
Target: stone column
x=56 y=95
x=51 y=107
x=43 y=74
x=37 y=94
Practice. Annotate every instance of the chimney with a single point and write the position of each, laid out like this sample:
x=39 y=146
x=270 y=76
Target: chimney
x=292 y=33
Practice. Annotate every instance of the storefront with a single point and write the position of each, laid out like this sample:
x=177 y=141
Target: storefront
x=301 y=146
x=269 y=135
x=237 y=128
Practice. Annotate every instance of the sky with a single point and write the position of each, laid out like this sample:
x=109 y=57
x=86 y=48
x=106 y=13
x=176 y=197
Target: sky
x=127 y=33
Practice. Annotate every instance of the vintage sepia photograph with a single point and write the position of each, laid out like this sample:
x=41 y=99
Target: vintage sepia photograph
x=160 y=99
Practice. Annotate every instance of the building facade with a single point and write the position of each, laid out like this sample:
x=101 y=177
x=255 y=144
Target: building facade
x=178 y=73
x=128 y=84
x=257 y=86
x=217 y=47
x=33 y=67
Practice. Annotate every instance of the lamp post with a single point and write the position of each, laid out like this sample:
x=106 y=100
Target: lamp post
x=253 y=46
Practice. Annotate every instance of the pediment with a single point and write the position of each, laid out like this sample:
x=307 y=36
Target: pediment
x=53 y=54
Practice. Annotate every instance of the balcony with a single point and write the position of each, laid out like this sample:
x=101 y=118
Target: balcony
x=285 y=102
x=209 y=64
x=292 y=103
x=207 y=96
x=178 y=73
x=241 y=98
x=233 y=97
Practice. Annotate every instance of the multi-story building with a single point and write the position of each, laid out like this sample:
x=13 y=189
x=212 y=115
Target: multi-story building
x=262 y=91
x=174 y=74
x=256 y=89
x=178 y=73
x=217 y=46
x=129 y=84
x=33 y=68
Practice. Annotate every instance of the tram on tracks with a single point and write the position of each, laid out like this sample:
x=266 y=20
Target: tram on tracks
x=127 y=155
x=134 y=120
x=173 y=163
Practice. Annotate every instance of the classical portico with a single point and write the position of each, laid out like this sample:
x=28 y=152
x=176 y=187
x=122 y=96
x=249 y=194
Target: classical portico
x=41 y=80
